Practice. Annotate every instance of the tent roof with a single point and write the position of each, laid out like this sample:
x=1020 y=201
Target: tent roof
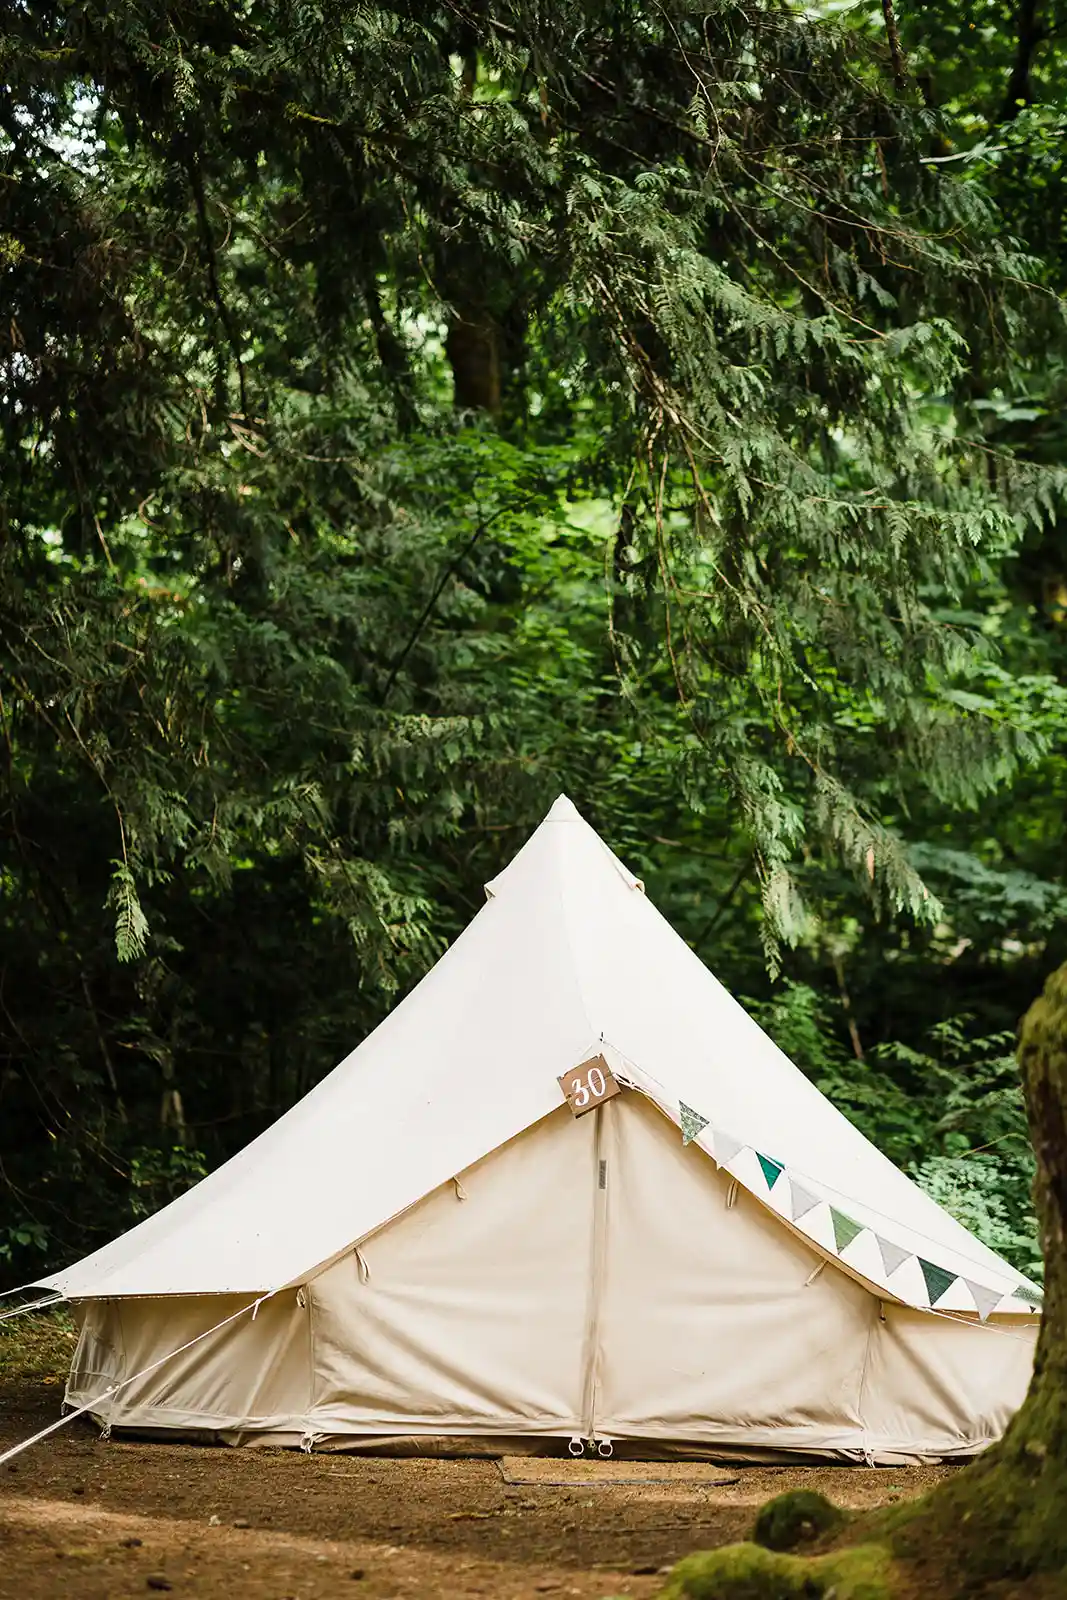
x=566 y=958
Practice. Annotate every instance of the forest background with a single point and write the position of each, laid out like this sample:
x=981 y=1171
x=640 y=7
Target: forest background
x=411 y=412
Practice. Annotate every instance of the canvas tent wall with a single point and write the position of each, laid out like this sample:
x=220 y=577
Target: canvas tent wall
x=714 y=1260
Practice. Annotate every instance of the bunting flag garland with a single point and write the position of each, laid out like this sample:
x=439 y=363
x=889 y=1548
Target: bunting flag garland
x=845 y=1228
x=892 y=1255
x=938 y=1281
x=726 y=1148
x=693 y=1124
x=984 y=1299
x=802 y=1201
x=772 y=1170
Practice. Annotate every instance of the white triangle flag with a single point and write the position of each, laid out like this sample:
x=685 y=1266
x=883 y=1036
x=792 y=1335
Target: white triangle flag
x=801 y=1200
x=892 y=1254
x=985 y=1300
x=726 y=1147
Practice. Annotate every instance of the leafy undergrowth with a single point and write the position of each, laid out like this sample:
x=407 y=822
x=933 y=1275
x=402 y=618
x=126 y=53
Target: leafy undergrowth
x=36 y=1347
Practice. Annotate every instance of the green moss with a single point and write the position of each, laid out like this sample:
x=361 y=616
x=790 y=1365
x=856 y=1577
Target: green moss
x=799 y=1517
x=749 y=1572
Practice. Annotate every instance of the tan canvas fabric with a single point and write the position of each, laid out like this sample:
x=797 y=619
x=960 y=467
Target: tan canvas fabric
x=710 y=1326
x=591 y=1278
x=467 y=1313
x=954 y=1384
x=248 y=1374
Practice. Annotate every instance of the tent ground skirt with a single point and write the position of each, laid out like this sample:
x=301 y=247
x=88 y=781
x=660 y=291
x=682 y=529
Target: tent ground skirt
x=444 y=1447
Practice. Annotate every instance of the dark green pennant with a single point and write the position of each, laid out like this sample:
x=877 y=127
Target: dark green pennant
x=1032 y=1297
x=938 y=1281
x=845 y=1229
x=772 y=1170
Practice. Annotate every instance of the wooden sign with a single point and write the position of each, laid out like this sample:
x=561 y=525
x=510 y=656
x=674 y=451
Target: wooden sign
x=588 y=1085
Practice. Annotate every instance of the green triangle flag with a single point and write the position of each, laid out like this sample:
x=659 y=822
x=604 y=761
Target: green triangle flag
x=693 y=1124
x=772 y=1170
x=845 y=1229
x=938 y=1281
x=1031 y=1297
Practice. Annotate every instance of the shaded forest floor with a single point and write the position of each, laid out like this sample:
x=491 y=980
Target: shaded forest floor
x=105 y=1520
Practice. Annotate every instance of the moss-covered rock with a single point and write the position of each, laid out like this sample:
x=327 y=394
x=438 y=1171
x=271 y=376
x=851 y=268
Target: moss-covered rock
x=794 y=1519
x=749 y=1572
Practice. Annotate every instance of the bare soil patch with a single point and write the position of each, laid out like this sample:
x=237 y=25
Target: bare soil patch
x=102 y=1520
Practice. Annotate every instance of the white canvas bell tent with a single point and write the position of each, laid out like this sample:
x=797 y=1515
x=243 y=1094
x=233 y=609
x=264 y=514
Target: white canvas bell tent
x=441 y=1254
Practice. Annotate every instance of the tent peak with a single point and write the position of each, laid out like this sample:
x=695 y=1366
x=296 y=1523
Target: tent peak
x=563 y=808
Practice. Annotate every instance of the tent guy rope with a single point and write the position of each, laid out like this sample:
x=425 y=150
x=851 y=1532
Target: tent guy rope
x=34 y=1305
x=114 y=1388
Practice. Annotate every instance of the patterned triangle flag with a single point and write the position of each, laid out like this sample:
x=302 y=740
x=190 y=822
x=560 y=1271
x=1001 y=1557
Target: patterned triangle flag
x=984 y=1299
x=802 y=1200
x=845 y=1229
x=772 y=1170
x=1032 y=1297
x=892 y=1255
x=726 y=1147
x=938 y=1281
x=693 y=1124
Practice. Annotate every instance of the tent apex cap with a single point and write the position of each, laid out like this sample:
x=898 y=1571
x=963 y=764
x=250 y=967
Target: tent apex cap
x=563 y=807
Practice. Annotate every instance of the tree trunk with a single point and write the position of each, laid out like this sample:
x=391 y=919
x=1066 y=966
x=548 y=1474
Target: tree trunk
x=1004 y=1517
x=1029 y=34
x=472 y=346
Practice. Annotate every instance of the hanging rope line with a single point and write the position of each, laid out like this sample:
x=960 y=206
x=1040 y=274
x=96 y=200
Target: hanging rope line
x=116 y=1388
x=658 y=1092
x=19 y=1289
x=33 y=1305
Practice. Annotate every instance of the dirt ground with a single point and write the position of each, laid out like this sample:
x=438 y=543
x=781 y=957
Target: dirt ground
x=103 y=1520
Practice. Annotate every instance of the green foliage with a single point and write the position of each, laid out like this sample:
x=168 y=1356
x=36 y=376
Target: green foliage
x=159 y=1176
x=409 y=415
x=951 y=1113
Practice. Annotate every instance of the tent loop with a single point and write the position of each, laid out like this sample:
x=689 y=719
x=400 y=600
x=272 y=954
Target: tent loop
x=361 y=1263
x=576 y=1447
x=301 y=1298
x=309 y=1439
x=731 y=1195
x=605 y=1448
x=810 y=1279
x=105 y=1431
x=461 y=1193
